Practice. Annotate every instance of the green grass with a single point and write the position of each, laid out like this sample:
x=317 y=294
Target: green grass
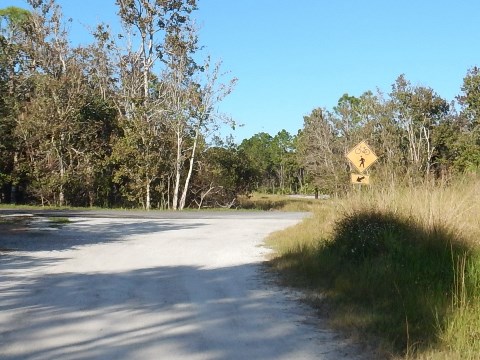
x=59 y=220
x=258 y=202
x=401 y=266
x=12 y=220
x=47 y=207
x=267 y=202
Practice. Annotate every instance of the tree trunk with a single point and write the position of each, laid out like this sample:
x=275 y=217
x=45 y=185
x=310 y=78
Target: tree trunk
x=282 y=180
x=13 y=190
x=91 y=197
x=168 y=193
x=190 y=169
x=177 y=173
x=147 y=202
x=61 y=195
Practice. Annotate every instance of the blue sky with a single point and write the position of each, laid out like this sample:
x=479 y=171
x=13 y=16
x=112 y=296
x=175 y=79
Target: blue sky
x=293 y=56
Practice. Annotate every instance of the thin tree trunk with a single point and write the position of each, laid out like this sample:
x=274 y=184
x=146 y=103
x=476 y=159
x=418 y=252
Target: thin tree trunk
x=91 y=196
x=13 y=190
x=189 y=175
x=168 y=193
x=177 y=173
x=61 y=195
x=147 y=202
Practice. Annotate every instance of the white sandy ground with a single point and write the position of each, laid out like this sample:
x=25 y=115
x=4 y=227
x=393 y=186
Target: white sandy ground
x=154 y=289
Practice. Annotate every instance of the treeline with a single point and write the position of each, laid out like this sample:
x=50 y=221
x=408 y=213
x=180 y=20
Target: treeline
x=120 y=122
x=130 y=119
x=417 y=135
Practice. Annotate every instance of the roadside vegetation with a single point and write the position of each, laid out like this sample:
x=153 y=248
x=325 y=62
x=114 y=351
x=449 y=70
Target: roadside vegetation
x=268 y=202
x=58 y=220
x=397 y=266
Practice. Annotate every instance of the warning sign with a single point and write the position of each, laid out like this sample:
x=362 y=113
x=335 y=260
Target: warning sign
x=362 y=157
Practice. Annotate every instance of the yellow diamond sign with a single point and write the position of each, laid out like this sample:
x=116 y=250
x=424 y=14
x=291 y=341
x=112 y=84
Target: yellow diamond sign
x=362 y=157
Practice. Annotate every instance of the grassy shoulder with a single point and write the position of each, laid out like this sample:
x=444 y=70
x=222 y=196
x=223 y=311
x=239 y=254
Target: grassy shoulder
x=256 y=202
x=268 y=202
x=401 y=266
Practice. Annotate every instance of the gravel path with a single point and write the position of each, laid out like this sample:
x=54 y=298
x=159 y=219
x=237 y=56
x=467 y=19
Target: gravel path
x=123 y=288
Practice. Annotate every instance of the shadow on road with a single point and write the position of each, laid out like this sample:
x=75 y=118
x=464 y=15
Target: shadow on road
x=157 y=312
x=40 y=235
x=133 y=314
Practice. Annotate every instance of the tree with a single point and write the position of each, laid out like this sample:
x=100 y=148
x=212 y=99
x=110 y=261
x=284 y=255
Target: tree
x=284 y=160
x=258 y=150
x=59 y=131
x=191 y=93
x=49 y=124
x=348 y=119
x=417 y=111
x=144 y=98
x=204 y=118
x=168 y=99
x=223 y=174
x=321 y=152
x=13 y=22
x=469 y=99
x=384 y=135
x=467 y=147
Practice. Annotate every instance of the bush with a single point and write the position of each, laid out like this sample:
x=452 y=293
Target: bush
x=396 y=268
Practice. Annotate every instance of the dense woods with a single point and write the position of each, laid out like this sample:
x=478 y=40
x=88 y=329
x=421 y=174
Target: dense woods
x=130 y=120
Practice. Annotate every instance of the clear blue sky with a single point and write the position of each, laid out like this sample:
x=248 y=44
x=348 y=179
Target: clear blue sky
x=293 y=56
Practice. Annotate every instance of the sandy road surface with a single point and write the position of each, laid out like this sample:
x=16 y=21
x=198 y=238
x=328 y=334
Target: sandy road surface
x=105 y=288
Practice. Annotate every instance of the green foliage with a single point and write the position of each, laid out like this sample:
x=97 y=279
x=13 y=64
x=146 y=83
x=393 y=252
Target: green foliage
x=274 y=161
x=269 y=202
x=258 y=151
x=470 y=97
x=415 y=133
x=224 y=174
x=321 y=150
x=95 y=125
x=58 y=221
x=16 y=16
x=385 y=264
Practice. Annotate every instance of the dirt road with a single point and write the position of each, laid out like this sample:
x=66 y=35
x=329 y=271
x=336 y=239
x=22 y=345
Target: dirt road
x=194 y=288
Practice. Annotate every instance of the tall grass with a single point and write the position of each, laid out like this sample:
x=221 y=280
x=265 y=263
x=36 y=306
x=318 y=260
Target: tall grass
x=266 y=202
x=399 y=264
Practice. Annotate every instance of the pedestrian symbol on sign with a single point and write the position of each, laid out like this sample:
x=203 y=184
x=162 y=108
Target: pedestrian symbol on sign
x=362 y=162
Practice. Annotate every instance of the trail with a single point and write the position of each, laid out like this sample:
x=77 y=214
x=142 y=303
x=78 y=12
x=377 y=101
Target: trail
x=176 y=288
